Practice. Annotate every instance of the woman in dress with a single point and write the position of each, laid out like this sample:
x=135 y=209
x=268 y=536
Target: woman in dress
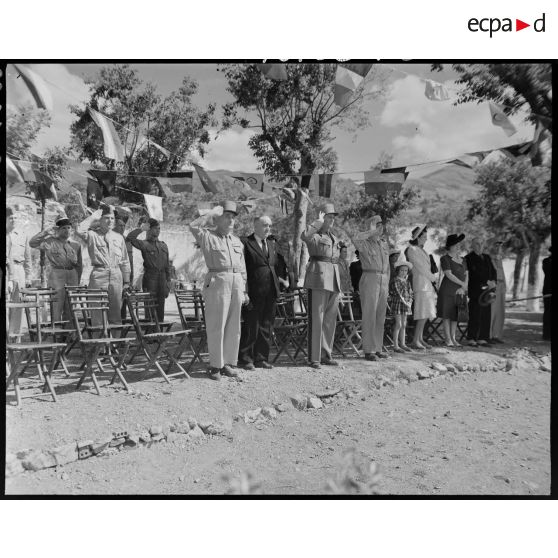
x=423 y=290
x=453 y=283
x=498 y=310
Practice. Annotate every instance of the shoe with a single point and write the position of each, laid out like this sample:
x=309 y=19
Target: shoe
x=249 y=366
x=418 y=347
x=315 y=365
x=214 y=374
x=370 y=356
x=398 y=350
x=330 y=362
x=264 y=364
x=229 y=371
x=382 y=355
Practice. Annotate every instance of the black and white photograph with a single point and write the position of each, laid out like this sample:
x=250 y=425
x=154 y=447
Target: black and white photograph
x=278 y=277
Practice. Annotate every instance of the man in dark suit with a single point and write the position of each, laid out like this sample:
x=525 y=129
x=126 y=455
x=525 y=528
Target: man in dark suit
x=263 y=289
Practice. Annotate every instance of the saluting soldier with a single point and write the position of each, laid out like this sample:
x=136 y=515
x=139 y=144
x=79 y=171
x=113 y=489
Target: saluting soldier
x=64 y=257
x=109 y=258
x=18 y=254
x=224 y=288
x=323 y=284
x=373 y=287
x=157 y=268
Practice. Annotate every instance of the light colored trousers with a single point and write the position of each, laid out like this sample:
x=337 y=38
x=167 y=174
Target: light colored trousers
x=223 y=294
x=373 y=288
x=498 y=312
x=57 y=280
x=110 y=279
x=323 y=317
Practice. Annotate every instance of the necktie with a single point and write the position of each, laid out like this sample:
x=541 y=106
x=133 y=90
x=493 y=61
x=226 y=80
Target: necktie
x=264 y=248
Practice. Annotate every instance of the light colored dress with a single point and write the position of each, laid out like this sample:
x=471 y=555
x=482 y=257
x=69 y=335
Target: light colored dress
x=498 y=310
x=425 y=295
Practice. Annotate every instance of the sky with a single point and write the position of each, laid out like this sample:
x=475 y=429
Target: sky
x=404 y=123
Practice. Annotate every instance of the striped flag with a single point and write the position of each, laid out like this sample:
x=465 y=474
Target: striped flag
x=346 y=82
x=277 y=72
x=435 y=91
x=37 y=87
x=499 y=118
x=113 y=148
x=176 y=182
x=325 y=187
x=382 y=182
x=207 y=183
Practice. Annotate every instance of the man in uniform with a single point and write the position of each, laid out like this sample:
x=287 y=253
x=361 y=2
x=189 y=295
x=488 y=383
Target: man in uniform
x=119 y=227
x=373 y=287
x=109 y=259
x=263 y=290
x=323 y=284
x=224 y=289
x=64 y=257
x=18 y=255
x=157 y=270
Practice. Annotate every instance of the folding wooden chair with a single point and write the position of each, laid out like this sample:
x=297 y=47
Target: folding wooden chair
x=191 y=309
x=20 y=353
x=347 y=329
x=95 y=340
x=432 y=333
x=152 y=341
x=290 y=328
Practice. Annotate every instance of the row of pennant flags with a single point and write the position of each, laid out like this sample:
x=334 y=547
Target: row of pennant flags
x=348 y=78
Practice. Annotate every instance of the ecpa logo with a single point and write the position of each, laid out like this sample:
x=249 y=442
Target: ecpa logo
x=494 y=24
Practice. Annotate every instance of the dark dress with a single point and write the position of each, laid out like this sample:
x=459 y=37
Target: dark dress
x=447 y=303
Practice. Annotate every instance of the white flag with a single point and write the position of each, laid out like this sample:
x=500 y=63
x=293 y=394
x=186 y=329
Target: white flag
x=435 y=91
x=154 y=205
x=112 y=145
x=500 y=119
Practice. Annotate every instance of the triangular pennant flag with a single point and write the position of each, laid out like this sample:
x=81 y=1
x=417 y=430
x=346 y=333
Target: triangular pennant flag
x=177 y=182
x=143 y=141
x=469 y=160
x=106 y=178
x=154 y=205
x=382 y=182
x=360 y=69
x=499 y=118
x=346 y=83
x=13 y=174
x=207 y=183
x=273 y=71
x=94 y=193
x=112 y=145
x=435 y=91
x=37 y=87
x=26 y=170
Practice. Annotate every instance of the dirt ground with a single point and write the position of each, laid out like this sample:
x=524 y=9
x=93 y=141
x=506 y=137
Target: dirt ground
x=484 y=432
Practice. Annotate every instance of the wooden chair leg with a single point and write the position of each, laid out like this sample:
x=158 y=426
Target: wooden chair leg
x=48 y=374
x=15 y=366
x=153 y=360
x=90 y=359
x=117 y=370
x=174 y=357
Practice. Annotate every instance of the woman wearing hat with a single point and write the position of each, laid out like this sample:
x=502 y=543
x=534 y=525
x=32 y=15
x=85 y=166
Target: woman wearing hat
x=453 y=283
x=423 y=290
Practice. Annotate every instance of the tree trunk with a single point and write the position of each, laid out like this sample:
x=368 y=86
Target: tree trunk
x=519 y=257
x=299 y=225
x=533 y=276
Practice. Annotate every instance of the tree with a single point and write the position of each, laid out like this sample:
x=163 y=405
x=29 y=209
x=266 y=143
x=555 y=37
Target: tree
x=515 y=200
x=293 y=122
x=516 y=87
x=172 y=122
x=23 y=125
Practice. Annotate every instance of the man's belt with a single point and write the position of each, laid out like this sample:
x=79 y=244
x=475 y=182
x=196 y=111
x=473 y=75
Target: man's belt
x=321 y=259
x=225 y=270
x=61 y=267
x=105 y=267
x=376 y=271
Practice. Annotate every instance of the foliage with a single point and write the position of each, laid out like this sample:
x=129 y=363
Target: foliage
x=173 y=122
x=23 y=125
x=358 y=474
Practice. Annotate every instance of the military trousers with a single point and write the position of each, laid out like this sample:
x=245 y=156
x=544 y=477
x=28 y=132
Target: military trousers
x=223 y=295
x=57 y=280
x=373 y=289
x=155 y=282
x=323 y=318
x=111 y=280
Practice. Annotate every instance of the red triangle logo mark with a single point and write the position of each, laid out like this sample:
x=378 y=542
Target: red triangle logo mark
x=519 y=25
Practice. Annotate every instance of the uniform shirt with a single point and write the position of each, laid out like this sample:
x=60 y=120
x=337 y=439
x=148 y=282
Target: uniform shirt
x=19 y=252
x=220 y=251
x=108 y=251
x=59 y=253
x=155 y=253
x=373 y=254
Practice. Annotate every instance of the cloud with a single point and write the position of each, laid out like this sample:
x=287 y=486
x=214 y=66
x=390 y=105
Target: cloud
x=430 y=130
x=65 y=89
x=230 y=151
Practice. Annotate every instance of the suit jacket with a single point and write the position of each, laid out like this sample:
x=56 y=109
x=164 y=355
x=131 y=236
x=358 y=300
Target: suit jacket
x=481 y=270
x=260 y=270
x=322 y=275
x=356 y=273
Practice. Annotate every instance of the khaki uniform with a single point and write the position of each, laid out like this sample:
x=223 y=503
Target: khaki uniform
x=498 y=310
x=18 y=257
x=157 y=274
x=223 y=293
x=323 y=284
x=64 y=258
x=111 y=267
x=373 y=288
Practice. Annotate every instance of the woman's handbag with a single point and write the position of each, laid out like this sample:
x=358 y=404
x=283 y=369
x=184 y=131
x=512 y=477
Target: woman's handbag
x=462 y=308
